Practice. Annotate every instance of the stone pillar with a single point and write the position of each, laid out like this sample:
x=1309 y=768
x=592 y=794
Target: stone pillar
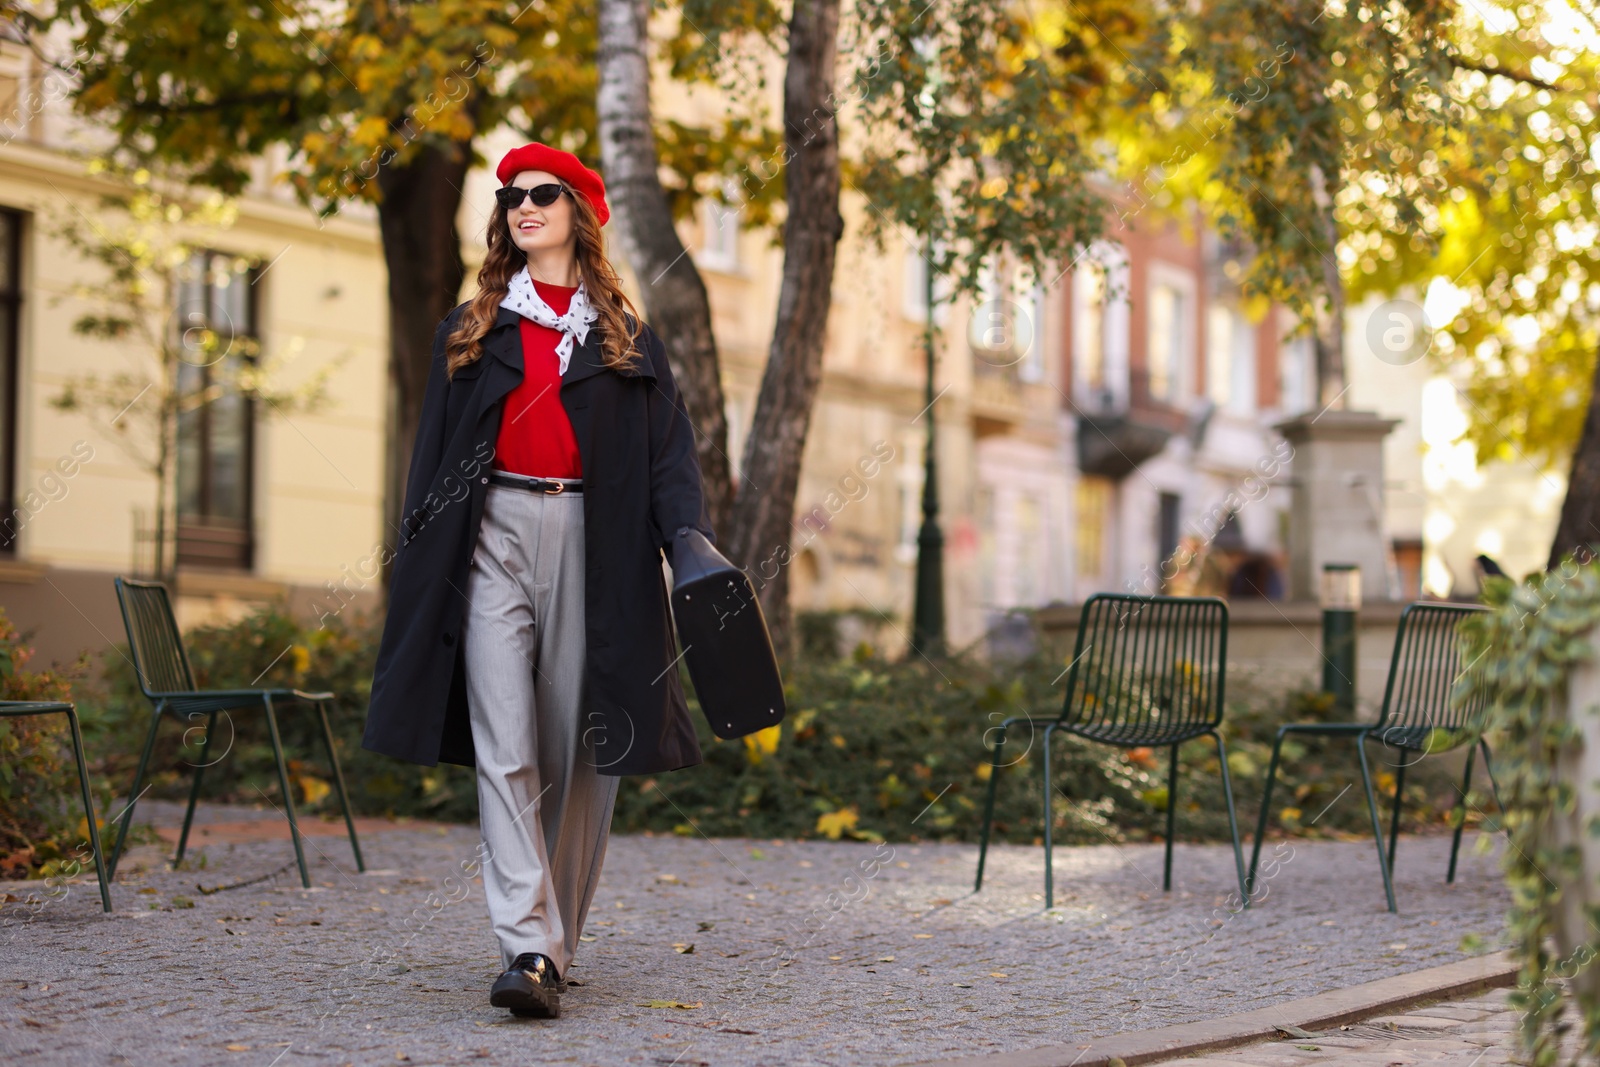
x=1336 y=514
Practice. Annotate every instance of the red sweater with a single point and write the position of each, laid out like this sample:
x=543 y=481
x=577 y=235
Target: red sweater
x=535 y=435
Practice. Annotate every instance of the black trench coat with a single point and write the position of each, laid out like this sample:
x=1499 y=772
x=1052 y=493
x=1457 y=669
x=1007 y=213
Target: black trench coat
x=641 y=483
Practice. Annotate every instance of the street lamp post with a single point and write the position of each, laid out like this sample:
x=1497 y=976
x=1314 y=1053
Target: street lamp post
x=927 y=630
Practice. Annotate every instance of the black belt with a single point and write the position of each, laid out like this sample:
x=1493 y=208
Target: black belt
x=538 y=485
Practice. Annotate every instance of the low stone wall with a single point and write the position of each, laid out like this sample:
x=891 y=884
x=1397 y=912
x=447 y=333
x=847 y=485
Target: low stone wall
x=1279 y=645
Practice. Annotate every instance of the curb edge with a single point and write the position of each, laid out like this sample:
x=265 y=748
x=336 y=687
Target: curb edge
x=1334 y=1008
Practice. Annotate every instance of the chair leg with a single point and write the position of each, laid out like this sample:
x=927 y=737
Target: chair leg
x=988 y=808
x=1172 y=817
x=133 y=796
x=1261 y=819
x=338 y=784
x=1460 y=815
x=88 y=810
x=1377 y=828
x=1049 y=820
x=194 y=789
x=1394 y=817
x=1494 y=786
x=1233 y=819
x=288 y=794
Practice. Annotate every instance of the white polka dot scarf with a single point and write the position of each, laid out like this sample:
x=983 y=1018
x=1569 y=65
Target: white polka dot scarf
x=525 y=300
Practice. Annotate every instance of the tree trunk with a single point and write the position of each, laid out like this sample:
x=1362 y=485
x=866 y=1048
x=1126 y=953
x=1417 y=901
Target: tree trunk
x=422 y=249
x=1329 y=339
x=674 y=294
x=764 y=511
x=1579 y=528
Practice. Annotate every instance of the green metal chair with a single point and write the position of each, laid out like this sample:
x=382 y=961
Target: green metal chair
x=1146 y=672
x=167 y=680
x=53 y=707
x=1417 y=717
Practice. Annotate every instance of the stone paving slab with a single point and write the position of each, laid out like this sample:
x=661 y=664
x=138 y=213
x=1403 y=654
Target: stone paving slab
x=1467 y=1032
x=782 y=952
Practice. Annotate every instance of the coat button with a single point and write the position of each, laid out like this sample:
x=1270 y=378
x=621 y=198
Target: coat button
x=449 y=639
x=485 y=481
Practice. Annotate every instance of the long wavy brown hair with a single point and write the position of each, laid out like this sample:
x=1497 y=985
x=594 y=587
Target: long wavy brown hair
x=601 y=285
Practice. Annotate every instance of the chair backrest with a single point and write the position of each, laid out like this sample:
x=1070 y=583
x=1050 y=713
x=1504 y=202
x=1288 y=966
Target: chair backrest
x=1422 y=671
x=158 y=654
x=1147 y=670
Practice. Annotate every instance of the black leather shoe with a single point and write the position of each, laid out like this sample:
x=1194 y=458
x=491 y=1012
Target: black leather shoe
x=530 y=987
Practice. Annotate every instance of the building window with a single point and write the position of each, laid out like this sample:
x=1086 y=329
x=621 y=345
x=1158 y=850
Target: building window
x=1100 y=327
x=1168 y=340
x=1408 y=561
x=986 y=519
x=1031 y=305
x=1028 y=580
x=1298 y=368
x=1089 y=326
x=1092 y=500
x=10 y=318
x=719 y=225
x=908 y=481
x=1005 y=331
x=914 y=294
x=216 y=319
x=1230 y=359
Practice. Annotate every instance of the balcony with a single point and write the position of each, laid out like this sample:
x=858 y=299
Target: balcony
x=1116 y=434
x=998 y=403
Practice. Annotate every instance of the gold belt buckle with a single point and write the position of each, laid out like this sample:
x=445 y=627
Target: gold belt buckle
x=559 y=486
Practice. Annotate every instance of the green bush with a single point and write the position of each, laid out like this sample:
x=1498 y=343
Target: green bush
x=870 y=748
x=43 y=830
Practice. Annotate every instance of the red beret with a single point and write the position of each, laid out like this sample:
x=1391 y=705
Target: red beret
x=563 y=165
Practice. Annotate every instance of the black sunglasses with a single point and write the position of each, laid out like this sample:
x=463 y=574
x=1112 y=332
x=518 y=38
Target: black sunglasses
x=510 y=196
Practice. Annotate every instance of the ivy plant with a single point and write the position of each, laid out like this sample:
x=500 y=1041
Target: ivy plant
x=1521 y=654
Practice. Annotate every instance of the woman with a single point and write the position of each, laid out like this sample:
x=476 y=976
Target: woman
x=554 y=461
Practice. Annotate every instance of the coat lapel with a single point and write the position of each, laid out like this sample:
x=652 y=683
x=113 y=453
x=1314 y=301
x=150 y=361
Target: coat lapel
x=504 y=368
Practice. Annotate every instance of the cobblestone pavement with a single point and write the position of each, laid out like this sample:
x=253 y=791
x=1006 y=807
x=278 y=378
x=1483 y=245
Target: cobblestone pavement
x=697 y=951
x=1473 y=1032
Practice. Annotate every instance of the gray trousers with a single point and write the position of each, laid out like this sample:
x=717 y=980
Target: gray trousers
x=544 y=809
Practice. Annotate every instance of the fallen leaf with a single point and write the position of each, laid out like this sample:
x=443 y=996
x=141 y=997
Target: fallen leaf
x=885 y=959
x=704 y=926
x=836 y=957
x=670 y=1004
x=586 y=937
x=669 y=879
x=998 y=974
x=1289 y=1030
x=921 y=937
x=835 y=823
x=1310 y=1048
x=238 y=1048
x=683 y=949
